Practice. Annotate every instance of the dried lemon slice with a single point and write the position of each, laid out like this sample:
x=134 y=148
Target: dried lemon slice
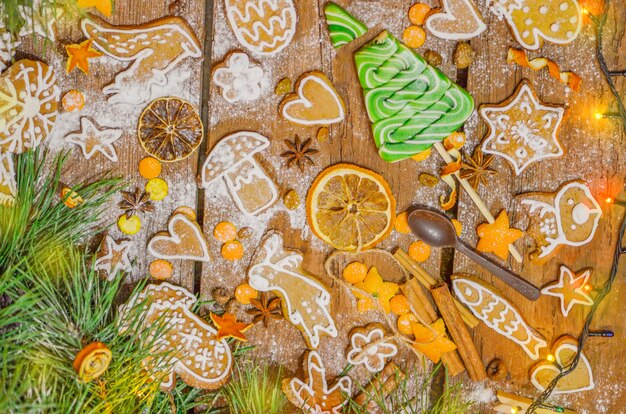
x=170 y=129
x=350 y=208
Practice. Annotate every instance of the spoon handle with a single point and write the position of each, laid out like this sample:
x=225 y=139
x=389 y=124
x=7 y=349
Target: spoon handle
x=524 y=287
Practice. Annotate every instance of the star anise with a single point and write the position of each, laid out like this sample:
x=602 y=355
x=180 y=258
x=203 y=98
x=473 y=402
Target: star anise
x=135 y=202
x=475 y=169
x=299 y=153
x=265 y=309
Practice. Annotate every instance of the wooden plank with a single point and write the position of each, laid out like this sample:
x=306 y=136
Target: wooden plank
x=595 y=153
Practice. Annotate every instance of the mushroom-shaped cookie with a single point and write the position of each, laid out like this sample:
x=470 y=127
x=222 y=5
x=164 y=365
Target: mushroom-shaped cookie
x=233 y=159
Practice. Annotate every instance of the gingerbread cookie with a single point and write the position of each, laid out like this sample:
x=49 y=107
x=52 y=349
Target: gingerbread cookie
x=314 y=395
x=8 y=185
x=522 y=129
x=459 y=20
x=306 y=302
x=185 y=345
x=113 y=257
x=568 y=217
x=8 y=47
x=183 y=240
x=315 y=102
x=39 y=18
x=533 y=21
x=29 y=98
x=488 y=305
x=232 y=159
x=411 y=105
x=571 y=289
x=92 y=139
x=154 y=48
x=238 y=78
x=564 y=350
x=342 y=26
x=261 y=26
x=370 y=347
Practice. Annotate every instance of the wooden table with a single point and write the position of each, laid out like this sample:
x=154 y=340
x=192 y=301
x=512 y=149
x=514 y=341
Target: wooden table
x=595 y=153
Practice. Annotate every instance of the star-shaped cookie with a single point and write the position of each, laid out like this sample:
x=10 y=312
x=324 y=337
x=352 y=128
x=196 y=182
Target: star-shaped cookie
x=113 y=257
x=522 y=129
x=92 y=139
x=496 y=237
x=570 y=289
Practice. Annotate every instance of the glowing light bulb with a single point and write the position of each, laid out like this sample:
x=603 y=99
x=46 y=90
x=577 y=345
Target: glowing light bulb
x=587 y=287
x=609 y=200
x=585 y=11
x=599 y=115
x=513 y=410
x=550 y=358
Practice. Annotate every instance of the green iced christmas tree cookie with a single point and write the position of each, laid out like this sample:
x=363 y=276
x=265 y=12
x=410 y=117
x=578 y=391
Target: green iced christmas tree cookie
x=343 y=27
x=411 y=104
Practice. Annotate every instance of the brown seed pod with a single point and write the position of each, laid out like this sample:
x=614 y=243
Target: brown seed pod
x=496 y=370
x=220 y=295
x=433 y=58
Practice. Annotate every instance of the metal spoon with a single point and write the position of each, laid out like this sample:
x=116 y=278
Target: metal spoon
x=437 y=230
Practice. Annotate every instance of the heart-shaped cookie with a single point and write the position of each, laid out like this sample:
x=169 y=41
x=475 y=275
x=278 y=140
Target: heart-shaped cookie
x=564 y=350
x=459 y=20
x=315 y=102
x=183 y=240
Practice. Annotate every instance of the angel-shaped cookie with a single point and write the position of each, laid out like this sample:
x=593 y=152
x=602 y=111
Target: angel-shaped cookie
x=154 y=49
x=568 y=217
x=306 y=302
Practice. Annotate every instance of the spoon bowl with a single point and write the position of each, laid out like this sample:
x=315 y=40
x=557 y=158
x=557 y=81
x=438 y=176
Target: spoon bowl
x=433 y=228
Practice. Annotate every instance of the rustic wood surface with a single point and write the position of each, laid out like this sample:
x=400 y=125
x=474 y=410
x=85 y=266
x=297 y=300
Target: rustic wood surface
x=595 y=152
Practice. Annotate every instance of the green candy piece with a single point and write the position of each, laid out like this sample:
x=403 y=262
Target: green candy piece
x=411 y=104
x=343 y=27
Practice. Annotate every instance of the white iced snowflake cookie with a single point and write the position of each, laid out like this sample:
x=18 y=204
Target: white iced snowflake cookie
x=522 y=129
x=92 y=139
x=29 y=98
x=232 y=159
x=262 y=26
x=154 y=48
x=238 y=78
x=40 y=19
x=8 y=46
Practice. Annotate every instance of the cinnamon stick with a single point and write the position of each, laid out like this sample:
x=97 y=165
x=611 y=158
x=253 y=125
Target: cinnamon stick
x=421 y=305
x=428 y=281
x=458 y=331
x=386 y=381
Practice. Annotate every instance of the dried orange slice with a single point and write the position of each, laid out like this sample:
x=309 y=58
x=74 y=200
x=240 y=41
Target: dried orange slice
x=350 y=208
x=170 y=129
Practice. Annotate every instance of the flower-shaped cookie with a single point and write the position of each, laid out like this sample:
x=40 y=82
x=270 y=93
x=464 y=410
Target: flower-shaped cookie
x=369 y=346
x=238 y=78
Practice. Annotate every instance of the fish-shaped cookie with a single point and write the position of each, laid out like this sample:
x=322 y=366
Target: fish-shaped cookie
x=488 y=305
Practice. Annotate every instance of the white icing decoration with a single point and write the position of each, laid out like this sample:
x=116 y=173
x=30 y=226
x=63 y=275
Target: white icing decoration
x=580 y=213
x=27 y=106
x=8 y=46
x=507 y=322
x=371 y=349
x=279 y=28
x=272 y=268
x=453 y=11
x=40 y=19
x=7 y=179
x=541 y=140
x=91 y=139
x=174 y=311
x=232 y=159
x=583 y=362
x=239 y=79
x=560 y=237
x=152 y=60
x=317 y=371
x=555 y=289
x=175 y=238
x=108 y=262
x=302 y=100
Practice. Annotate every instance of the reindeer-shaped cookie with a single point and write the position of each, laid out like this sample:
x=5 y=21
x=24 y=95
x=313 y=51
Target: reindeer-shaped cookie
x=154 y=49
x=568 y=217
x=306 y=302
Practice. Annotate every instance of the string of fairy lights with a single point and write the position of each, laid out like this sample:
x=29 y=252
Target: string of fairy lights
x=599 y=22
